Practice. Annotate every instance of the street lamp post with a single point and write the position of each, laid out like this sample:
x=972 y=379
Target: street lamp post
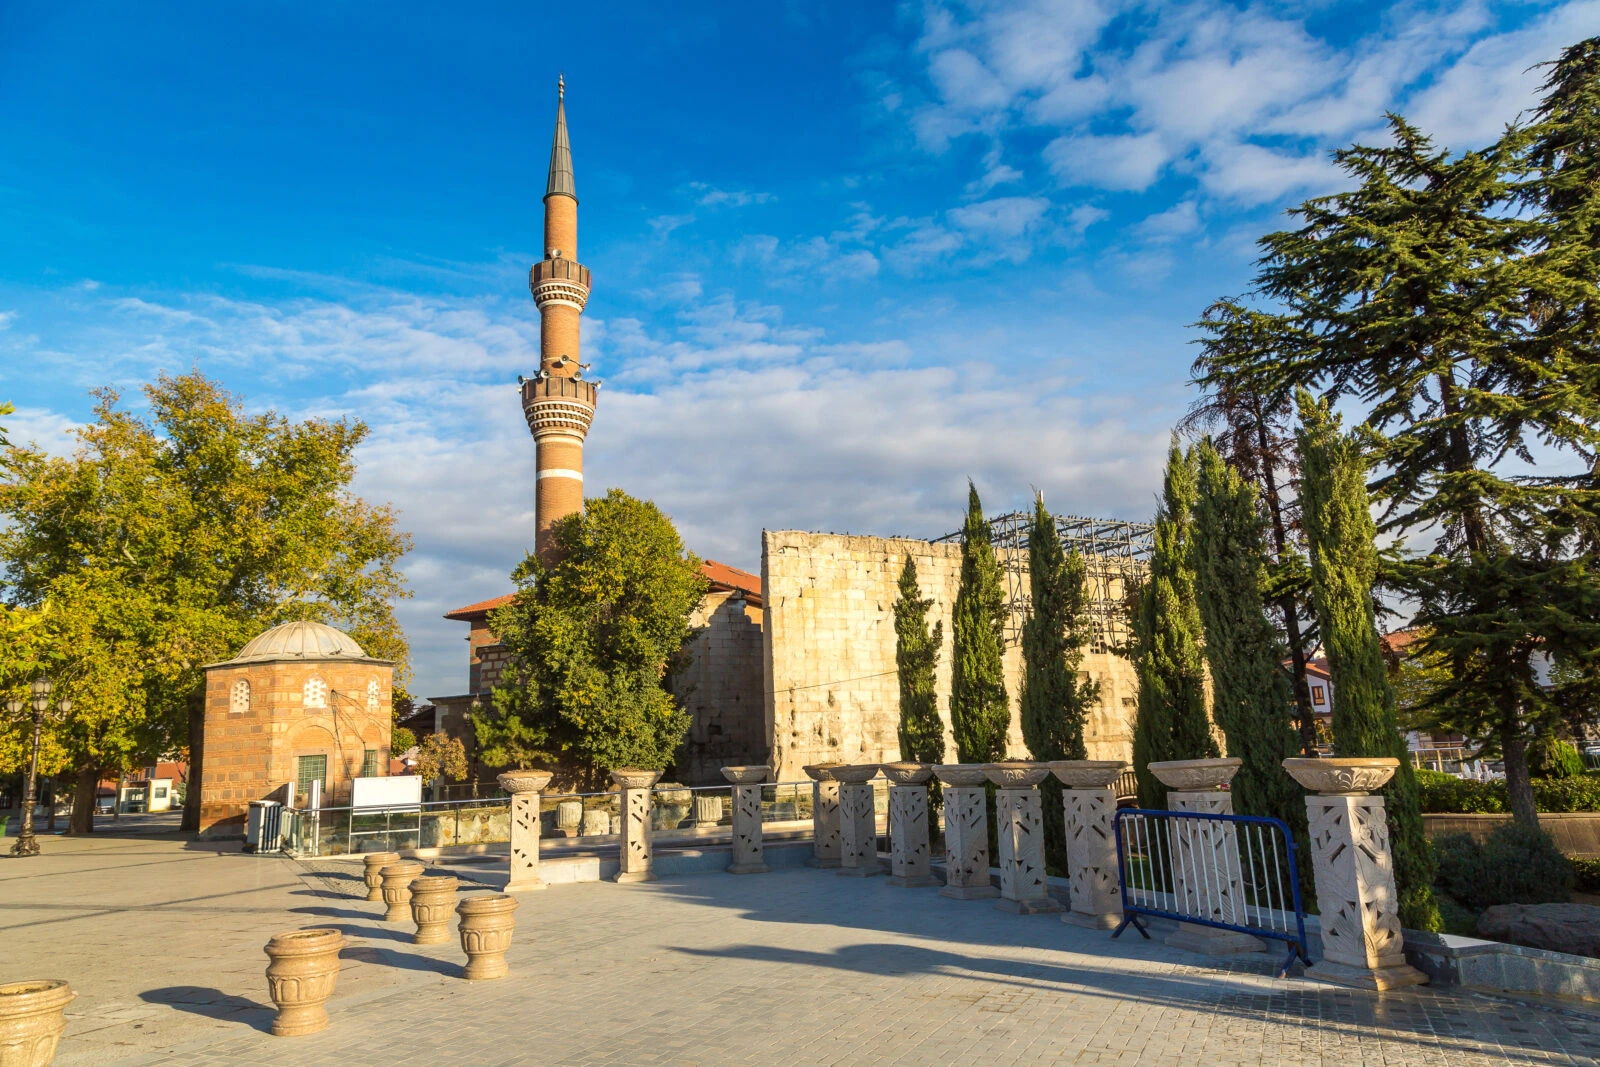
x=40 y=689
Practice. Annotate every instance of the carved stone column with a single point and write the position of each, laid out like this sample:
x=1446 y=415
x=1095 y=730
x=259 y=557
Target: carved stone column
x=524 y=787
x=1208 y=877
x=634 y=846
x=908 y=824
x=966 y=832
x=824 y=815
x=1354 y=868
x=858 y=821
x=1090 y=805
x=747 y=849
x=1019 y=817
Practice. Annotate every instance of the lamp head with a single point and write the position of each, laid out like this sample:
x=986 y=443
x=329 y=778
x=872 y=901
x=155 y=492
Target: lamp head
x=65 y=704
x=41 y=686
x=14 y=705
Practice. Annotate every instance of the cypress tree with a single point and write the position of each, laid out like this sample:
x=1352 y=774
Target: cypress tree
x=1055 y=700
x=1170 y=721
x=979 y=709
x=1250 y=690
x=1340 y=534
x=916 y=657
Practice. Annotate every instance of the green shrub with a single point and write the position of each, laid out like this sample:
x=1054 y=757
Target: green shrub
x=1455 y=919
x=1567 y=794
x=1551 y=757
x=1585 y=873
x=1447 y=794
x=1514 y=866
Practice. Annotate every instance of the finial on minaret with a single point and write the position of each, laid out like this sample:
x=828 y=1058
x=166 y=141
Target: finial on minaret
x=561 y=86
x=560 y=181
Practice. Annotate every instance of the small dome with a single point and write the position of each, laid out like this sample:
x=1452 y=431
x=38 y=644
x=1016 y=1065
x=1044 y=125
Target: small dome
x=300 y=640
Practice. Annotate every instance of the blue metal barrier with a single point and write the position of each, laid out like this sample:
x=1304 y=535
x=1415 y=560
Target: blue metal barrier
x=1232 y=872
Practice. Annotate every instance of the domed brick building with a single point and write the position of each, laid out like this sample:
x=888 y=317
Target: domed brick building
x=300 y=703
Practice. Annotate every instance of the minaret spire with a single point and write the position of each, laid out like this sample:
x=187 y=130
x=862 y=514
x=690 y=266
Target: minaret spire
x=560 y=181
x=559 y=404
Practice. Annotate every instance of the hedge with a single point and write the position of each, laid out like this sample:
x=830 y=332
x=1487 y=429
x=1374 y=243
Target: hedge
x=1447 y=794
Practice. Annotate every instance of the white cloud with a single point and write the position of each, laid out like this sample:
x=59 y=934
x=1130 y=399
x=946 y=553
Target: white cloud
x=1179 y=220
x=1006 y=216
x=708 y=196
x=1119 y=161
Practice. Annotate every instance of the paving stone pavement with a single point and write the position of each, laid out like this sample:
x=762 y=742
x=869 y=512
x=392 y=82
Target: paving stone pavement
x=163 y=940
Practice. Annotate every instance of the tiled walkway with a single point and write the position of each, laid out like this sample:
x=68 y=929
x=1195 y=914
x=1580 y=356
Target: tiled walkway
x=798 y=966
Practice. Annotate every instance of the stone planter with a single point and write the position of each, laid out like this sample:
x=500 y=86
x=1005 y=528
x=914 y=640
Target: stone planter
x=376 y=862
x=753 y=774
x=1016 y=774
x=523 y=781
x=634 y=823
x=1197 y=775
x=1087 y=773
x=397 y=879
x=966 y=832
x=301 y=977
x=433 y=899
x=961 y=775
x=31 y=1020
x=824 y=816
x=487 y=922
x=855 y=773
x=569 y=818
x=907 y=773
x=1336 y=777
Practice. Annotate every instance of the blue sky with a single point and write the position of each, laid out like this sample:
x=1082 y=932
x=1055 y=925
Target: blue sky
x=845 y=255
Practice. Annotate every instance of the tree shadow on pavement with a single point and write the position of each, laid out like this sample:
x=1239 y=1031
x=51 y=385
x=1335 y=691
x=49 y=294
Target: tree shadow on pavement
x=213 y=1004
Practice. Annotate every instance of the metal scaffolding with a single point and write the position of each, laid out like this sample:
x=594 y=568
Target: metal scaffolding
x=1114 y=552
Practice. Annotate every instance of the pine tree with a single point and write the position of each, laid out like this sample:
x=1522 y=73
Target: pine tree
x=1247 y=405
x=1171 y=721
x=1456 y=295
x=1250 y=691
x=1055 y=700
x=1340 y=534
x=979 y=710
x=916 y=657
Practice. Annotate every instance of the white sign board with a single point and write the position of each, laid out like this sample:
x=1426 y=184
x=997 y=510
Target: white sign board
x=401 y=792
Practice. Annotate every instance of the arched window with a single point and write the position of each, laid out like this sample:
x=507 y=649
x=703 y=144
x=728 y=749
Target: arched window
x=239 y=698
x=372 y=695
x=316 y=693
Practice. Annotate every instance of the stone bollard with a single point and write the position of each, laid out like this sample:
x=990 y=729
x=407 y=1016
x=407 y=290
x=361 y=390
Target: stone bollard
x=858 y=821
x=1360 y=911
x=1019 y=816
x=32 y=1019
x=524 y=787
x=966 y=832
x=824 y=815
x=487 y=923
x=376 y=862
x=1206 y=868
x=397 y=878
x=433 y=900
x=908 y=824
x=634 y=848
x=748 y=857
x=1089 y=803
x=301 y=977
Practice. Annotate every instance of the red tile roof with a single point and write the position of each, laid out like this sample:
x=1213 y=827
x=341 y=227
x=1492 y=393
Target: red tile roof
x=722 y=577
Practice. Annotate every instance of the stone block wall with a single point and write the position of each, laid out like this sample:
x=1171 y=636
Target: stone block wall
x=721 y=687
x=252 y=747
x=828 y=648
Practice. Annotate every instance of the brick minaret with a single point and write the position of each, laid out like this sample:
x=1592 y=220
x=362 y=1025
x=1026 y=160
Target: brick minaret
x=558 y=403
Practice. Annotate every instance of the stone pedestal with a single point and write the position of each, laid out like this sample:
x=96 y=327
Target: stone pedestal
x=1019 y=817
x=1089 y=804
x=966 y=832
x=909 y=865
x=824 y=816
x=375 y=863
x=569 y=818
x=858 y=822
x=1207 y=877
x=634 y=848
x=1354 y=869
x=524 y=787
x=747 y=849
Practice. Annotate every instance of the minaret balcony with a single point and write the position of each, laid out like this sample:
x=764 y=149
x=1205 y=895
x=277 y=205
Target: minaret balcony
x=558 y=406
x=559 y=281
